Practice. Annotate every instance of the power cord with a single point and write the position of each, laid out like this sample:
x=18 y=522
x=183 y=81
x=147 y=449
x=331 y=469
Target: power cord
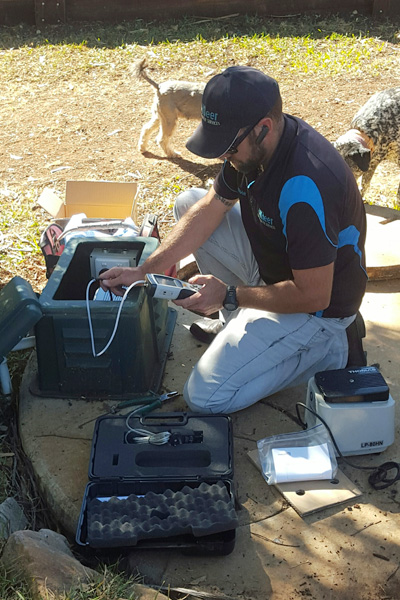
x=144 y=436
x=116 y=320
x=379 y=479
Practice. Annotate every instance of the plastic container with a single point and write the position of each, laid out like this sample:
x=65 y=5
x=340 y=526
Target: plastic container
x=20 y=310
x=135 y=360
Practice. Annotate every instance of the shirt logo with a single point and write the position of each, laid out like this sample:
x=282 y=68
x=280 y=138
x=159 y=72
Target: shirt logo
x=267 y=221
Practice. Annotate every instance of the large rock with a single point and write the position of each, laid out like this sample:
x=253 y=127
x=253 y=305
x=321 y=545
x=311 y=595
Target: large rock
x=44 y=560
x=12 y=518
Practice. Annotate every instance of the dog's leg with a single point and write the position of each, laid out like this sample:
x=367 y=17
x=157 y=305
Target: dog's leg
x=397 y=201
x=146 y=132
x=167 y=126
x=366 y=177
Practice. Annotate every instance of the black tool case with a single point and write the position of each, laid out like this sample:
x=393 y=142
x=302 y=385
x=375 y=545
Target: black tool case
x=174 y=495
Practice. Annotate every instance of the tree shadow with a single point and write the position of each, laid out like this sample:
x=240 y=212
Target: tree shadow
x=150 y=32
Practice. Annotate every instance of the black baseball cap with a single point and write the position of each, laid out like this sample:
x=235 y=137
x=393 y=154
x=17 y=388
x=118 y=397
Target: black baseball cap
x=236 y=98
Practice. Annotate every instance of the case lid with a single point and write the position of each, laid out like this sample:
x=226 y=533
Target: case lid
x=19 y=311
x=357 y=384
x=199 y=448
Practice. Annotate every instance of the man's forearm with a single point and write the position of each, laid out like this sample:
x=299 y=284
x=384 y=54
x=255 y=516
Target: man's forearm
x=309 y=291
x=280 y=297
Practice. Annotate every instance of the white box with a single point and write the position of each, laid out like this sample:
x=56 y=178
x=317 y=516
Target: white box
x=358 y=427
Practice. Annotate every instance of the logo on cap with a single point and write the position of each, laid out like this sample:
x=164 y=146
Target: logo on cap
x=209 y=117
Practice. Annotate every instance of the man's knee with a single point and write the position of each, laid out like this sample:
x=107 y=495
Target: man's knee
x=185 y=200
x=195 y=401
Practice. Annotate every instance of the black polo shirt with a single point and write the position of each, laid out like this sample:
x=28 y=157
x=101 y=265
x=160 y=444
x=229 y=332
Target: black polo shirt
x=304 y=211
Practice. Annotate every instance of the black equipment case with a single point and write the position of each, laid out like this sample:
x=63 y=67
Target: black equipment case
x=177 y=494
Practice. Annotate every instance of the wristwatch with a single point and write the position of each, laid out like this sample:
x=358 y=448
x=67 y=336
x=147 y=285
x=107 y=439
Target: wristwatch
x=230 y=302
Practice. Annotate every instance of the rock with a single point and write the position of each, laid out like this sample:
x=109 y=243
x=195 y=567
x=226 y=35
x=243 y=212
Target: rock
x=12 y=518
x=44 y=560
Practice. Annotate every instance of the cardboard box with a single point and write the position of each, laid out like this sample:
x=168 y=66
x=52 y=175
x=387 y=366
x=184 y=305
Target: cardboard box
x=97 y=199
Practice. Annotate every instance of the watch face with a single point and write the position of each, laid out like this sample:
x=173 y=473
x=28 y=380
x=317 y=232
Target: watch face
x=230 y=306
x=230 y=302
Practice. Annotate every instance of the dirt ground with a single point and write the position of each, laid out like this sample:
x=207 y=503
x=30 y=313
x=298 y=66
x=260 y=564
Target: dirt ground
x=88 y=128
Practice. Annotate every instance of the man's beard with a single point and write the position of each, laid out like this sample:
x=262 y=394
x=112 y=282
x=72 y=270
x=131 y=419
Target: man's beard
x=257 y=158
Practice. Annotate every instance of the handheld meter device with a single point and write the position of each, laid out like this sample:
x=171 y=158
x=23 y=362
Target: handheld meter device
x=169 y=288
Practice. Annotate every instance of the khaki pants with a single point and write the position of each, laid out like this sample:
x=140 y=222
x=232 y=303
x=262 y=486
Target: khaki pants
x=257 y=353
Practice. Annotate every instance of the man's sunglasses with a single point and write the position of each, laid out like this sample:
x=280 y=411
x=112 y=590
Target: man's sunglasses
x=237 y=141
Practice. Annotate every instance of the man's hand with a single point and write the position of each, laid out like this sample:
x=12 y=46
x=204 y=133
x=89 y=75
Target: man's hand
x=207 y=300
x=115 y=278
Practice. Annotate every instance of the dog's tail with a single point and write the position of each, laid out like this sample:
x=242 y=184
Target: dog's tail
x=139 y=70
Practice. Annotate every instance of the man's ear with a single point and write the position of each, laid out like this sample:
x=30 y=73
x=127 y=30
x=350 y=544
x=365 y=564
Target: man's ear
x=362 y=159
x=264 y=131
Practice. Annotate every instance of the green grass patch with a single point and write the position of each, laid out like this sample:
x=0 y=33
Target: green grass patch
x=304 y=45
x=20 y=226
x=110 y=585
x=12 y=588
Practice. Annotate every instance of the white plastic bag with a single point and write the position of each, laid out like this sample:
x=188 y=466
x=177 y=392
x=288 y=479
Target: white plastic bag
x=305 y=455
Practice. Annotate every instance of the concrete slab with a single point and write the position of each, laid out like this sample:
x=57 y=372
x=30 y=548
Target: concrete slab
x=382 y=246
x=349 y=552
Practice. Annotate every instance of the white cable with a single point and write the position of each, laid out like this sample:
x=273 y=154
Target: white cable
x=116 y=320
x=146 y=436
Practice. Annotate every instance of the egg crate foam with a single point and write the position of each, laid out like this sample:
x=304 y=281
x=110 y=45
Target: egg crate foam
x=199 y=511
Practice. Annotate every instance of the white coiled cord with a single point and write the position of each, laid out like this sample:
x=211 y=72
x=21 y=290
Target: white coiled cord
x=116 y=320
x=145 y=436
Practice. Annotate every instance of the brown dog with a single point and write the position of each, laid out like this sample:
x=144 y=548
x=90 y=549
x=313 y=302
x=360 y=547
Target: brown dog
x=172 y=99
